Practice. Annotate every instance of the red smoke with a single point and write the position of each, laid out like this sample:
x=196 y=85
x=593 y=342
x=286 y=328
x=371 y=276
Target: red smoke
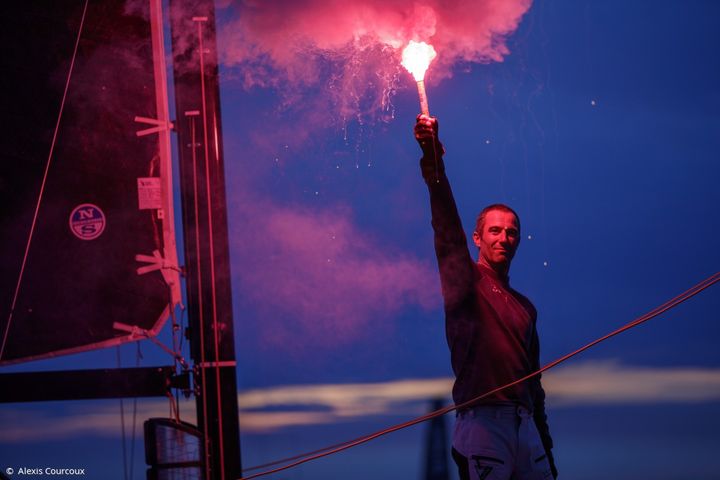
x=354 y=47
x=318 y=281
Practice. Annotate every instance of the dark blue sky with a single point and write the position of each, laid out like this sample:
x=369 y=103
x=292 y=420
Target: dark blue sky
x=601 y=127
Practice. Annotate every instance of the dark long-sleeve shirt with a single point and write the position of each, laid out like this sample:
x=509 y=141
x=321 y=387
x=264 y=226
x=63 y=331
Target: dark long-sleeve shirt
x=490 y=327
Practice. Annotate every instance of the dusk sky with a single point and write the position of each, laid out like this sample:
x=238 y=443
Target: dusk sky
x=599 y=122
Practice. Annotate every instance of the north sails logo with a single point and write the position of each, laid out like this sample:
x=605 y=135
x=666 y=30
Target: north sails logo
x=87 y=221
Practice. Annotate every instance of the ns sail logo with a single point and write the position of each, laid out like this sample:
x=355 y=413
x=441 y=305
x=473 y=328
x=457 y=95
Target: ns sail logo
x=87 y=221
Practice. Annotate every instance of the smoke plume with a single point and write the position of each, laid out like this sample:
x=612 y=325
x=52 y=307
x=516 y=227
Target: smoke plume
x=318 y=281
x=353 y=48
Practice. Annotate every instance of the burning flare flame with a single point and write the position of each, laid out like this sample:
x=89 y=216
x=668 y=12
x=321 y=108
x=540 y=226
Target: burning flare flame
x=416 y=57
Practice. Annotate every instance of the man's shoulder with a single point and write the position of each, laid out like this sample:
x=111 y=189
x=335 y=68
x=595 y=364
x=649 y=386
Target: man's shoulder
x=525 y=301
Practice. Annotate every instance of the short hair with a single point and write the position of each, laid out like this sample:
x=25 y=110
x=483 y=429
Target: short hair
x=495 y=206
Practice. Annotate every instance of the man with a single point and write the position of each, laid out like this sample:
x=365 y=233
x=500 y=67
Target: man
x=491 y=333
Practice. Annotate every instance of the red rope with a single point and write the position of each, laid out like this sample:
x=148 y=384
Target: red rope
x=309 y=456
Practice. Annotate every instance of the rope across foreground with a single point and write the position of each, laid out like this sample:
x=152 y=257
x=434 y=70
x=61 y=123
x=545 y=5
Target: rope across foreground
x=339 y=447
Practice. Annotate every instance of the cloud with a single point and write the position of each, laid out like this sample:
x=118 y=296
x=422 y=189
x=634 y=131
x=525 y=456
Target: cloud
x=261 y=410
x=272 y=409
x=348 y=400
x=100 y=419
x=586 y=384
x=315 y=275
x=610 y=383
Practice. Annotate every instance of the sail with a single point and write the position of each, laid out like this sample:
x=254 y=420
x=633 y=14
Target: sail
x=87 y=239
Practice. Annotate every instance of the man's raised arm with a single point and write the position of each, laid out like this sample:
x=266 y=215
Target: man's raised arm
x=453 y=257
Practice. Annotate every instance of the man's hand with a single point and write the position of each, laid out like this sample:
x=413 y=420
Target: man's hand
x=426 y=133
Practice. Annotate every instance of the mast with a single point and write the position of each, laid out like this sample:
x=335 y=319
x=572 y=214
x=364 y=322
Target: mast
x=198 y=125
x=436 y=454
x=101 y=269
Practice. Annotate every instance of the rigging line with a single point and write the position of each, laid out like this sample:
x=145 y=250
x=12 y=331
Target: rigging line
x=174 y=407
x=44 y=180
x=176 y=330
x=181 y=345
x=177 y=344
x=304 y=458
x=427 y=416
x=208 y=194
x=150 y=336
x=201 y=314
x=122 y=423
x=138 y=357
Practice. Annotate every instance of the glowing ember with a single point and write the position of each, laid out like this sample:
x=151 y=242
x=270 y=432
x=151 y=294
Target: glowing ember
x=417 y=57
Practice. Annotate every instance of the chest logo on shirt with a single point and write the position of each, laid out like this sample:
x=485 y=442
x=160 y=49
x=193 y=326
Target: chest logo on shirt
x=495 y=289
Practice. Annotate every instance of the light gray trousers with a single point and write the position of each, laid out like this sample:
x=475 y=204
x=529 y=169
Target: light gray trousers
x=499 y=442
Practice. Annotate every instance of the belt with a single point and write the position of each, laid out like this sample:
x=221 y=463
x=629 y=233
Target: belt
x=505 y=410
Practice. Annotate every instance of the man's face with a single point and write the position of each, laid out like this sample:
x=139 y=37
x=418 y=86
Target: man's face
x=499 y=239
